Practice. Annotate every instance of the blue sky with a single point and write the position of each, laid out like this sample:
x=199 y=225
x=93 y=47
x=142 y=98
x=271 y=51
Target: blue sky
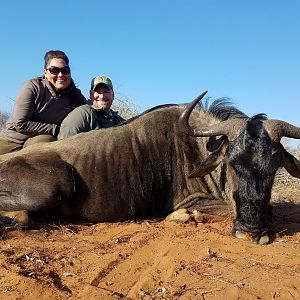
x=162 y=51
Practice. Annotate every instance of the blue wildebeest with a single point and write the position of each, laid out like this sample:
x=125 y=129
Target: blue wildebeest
x=168 y=158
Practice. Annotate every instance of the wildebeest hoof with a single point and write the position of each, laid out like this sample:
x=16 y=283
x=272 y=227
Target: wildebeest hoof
x=264 y=240
x=241 y=234
x=261 y=239
x=181 y=216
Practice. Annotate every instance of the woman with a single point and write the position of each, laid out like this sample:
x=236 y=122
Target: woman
x=41 y=105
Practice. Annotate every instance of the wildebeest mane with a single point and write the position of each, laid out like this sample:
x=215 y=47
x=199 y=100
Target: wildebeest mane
x=221 y=108
x=259 y=117
x=254 y=127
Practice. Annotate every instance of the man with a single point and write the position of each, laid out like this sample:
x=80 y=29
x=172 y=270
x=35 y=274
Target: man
x=96 y=116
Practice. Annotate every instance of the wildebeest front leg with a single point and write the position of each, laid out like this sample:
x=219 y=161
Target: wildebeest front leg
x=35 y=181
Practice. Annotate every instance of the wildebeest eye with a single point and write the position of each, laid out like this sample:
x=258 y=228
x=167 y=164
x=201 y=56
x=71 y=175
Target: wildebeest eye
x=275 y=149
x=214 y=143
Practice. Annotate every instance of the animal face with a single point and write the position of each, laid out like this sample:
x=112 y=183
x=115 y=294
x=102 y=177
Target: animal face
x=252 y=161
x=251 y=154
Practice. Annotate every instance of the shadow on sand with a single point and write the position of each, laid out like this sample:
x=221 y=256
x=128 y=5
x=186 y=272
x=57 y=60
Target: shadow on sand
x=286 y=218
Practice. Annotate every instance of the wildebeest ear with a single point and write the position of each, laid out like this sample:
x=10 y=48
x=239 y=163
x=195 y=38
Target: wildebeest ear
x=214 y=142
x=212 y=161
x=291 y=164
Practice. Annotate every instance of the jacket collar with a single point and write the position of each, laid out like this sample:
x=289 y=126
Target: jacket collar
x=55 y=93
x=101 y=110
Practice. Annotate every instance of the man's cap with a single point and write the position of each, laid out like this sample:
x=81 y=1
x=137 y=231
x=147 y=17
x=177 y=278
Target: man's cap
x=101 y=79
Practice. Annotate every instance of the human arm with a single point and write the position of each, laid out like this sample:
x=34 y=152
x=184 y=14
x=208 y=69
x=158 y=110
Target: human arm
x=26 y=106
x=75 y=122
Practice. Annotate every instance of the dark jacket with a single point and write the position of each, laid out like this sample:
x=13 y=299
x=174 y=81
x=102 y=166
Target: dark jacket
x=86 y=118
x=40 y=109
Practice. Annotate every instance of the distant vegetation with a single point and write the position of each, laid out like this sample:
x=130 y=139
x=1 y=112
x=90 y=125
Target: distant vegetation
x=3 y=117
x=125 y=107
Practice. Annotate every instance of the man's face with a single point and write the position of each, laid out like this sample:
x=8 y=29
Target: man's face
x=102 y=97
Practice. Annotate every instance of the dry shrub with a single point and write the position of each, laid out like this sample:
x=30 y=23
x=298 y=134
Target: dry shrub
x=125 y=107
x=3 y=118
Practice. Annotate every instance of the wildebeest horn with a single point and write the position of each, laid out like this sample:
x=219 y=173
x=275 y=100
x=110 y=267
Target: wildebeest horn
x=230 y=128
x=278 y=129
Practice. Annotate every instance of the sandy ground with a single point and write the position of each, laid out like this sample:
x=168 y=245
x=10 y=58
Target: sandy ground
x=153 y=259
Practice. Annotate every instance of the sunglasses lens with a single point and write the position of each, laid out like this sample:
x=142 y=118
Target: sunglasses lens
x=65 y=70
x=56 y=70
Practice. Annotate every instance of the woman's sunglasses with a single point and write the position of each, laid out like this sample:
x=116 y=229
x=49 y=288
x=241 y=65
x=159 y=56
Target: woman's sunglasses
x=56 y=70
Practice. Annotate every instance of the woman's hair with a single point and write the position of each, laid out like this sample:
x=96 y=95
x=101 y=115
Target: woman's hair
x=55 y=54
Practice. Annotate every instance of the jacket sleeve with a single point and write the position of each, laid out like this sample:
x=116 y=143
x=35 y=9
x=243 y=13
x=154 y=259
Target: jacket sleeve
x=24 y=112
x=75 y=122
x=120 y=119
